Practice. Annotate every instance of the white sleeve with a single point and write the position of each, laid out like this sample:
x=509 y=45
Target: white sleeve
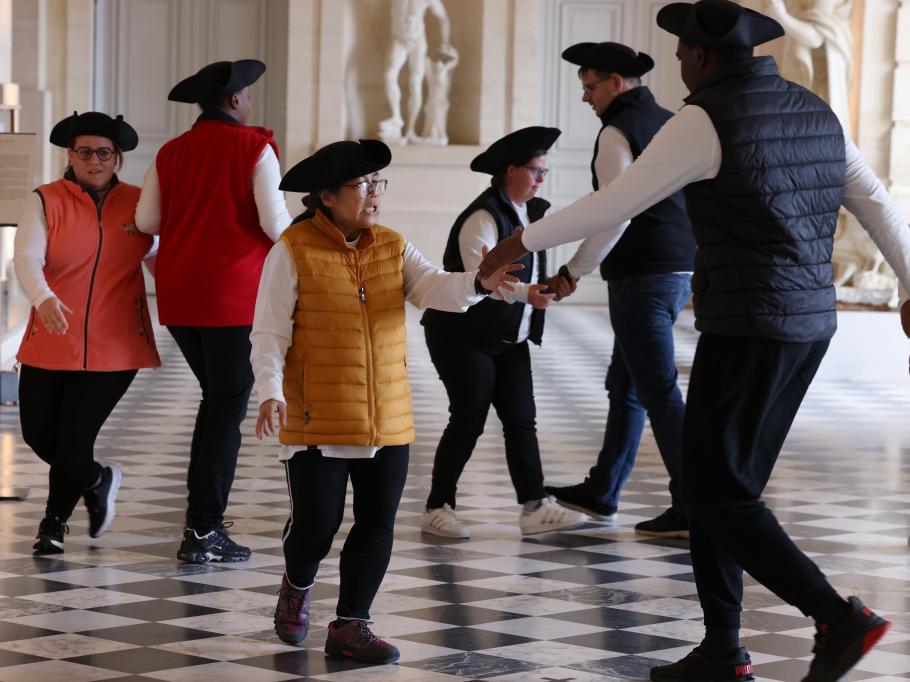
x=273 y=212
x=148 y=210
x=866 y=198
x=273 y=322
x=613 y=157
x=426 y=286
x=685 y=150
x=480 y=230
x=30 y=251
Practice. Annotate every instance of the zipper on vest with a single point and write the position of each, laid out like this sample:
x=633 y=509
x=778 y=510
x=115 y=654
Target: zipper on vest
x=368 y=346
x=91 y=288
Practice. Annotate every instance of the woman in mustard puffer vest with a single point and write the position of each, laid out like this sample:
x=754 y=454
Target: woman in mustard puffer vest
x=330 y=358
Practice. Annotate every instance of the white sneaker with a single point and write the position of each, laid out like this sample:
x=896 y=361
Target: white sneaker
x=442 y=521
x=549 y=516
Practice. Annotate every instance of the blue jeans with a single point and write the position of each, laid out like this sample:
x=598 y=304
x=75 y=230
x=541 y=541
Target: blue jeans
x=641 y=381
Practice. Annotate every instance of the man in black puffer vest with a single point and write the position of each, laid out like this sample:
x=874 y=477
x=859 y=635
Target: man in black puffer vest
x=648 y=276
x=765 y=165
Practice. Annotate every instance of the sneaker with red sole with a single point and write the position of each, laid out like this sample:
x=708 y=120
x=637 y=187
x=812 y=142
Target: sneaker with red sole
x=292 y=614
x=698 y=668
x=353 y=639
x=839 y=647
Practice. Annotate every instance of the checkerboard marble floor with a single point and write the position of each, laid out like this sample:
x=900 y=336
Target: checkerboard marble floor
x=592 y=604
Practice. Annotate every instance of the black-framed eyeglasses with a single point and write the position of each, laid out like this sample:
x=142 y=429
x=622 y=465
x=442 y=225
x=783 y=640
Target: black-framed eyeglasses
x=367 y=188
x=538 y=173
x=85 y=153
x=589 y=87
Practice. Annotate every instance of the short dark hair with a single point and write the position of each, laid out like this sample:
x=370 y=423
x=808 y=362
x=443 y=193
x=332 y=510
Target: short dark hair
x=728 y=55
x=312 y=202
x=634 y=81
x=499 y=177
x=215 y=103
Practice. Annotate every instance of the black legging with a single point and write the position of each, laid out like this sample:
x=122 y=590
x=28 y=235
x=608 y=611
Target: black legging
x=477 y=374
x=317 y=487
x=219 y=358
x=61 y=413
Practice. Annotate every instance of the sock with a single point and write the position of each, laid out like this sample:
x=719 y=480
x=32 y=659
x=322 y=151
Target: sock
x=719 y=642
x=531 y=505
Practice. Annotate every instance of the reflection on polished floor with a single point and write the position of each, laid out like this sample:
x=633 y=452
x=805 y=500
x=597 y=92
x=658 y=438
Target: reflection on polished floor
x=593 y=604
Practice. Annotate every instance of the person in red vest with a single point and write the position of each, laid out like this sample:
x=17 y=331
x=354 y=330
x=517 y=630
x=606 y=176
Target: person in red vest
x=79 y=259
x=212 y=196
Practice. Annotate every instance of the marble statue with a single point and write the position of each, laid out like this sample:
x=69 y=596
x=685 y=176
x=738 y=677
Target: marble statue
x=818 y=49
x=818 y=54
x=436 y=109
x=409 y=45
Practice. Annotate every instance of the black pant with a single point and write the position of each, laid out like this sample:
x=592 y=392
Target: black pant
x=220 y=359
x=477 y=373
x=317 y=487
x=61 y=414
x=743 y=396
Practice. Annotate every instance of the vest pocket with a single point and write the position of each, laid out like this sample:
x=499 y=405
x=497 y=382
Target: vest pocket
x=303 y=392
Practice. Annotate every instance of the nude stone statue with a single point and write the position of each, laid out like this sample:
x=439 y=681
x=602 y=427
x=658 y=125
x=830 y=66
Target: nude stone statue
x=409 y=45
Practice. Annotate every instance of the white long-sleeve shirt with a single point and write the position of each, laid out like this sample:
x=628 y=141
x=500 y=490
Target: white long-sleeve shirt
x=480 y=230
x=425 y=286
x=613 y=157
x=30 y=244
x=686 y=150
x=273 y=212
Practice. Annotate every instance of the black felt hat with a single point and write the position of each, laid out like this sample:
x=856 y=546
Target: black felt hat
x=116 y=130
x=217 y=80
x=718 y=23
x=335 y=163
x=514 y=148
x=609 y=57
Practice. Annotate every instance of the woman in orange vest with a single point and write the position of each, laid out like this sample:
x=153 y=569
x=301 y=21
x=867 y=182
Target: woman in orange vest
x=330 y=356
x=79 y=259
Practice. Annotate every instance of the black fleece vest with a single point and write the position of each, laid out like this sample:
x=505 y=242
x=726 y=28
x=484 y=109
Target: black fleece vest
x=765 y=225
x=658 y=240
x=492 y=319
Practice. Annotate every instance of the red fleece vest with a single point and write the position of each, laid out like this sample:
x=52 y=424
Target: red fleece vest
x=212 y=246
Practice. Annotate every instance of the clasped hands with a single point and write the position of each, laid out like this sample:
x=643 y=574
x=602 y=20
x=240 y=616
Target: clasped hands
x=510 y=250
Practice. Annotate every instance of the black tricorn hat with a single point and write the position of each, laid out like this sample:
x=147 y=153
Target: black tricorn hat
x=514 y=148
x=333 y=164
x=609 y=57
x=116 y=130
x=219 y=79
x=718 y=23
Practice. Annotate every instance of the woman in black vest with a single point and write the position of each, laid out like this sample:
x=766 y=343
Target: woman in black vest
x=482 y=356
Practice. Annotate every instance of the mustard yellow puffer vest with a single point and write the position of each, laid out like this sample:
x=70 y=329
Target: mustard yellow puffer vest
x=346 y=375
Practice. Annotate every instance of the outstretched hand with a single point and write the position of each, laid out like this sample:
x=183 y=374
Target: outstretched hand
x=499 y=278
x=507 y=251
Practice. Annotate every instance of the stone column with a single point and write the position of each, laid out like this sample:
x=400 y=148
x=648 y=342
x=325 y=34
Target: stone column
x=29 y=69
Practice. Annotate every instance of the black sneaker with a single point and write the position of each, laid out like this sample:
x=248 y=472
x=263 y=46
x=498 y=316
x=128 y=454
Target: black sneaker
x=696 y=668
x=839 y=647
x=99 y=501
x=213 y=546
x=50 y=535
x=579 y=498
x=670 y=524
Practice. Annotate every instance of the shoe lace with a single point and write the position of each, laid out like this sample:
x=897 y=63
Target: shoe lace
x=365 y=631
x=295 y=601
